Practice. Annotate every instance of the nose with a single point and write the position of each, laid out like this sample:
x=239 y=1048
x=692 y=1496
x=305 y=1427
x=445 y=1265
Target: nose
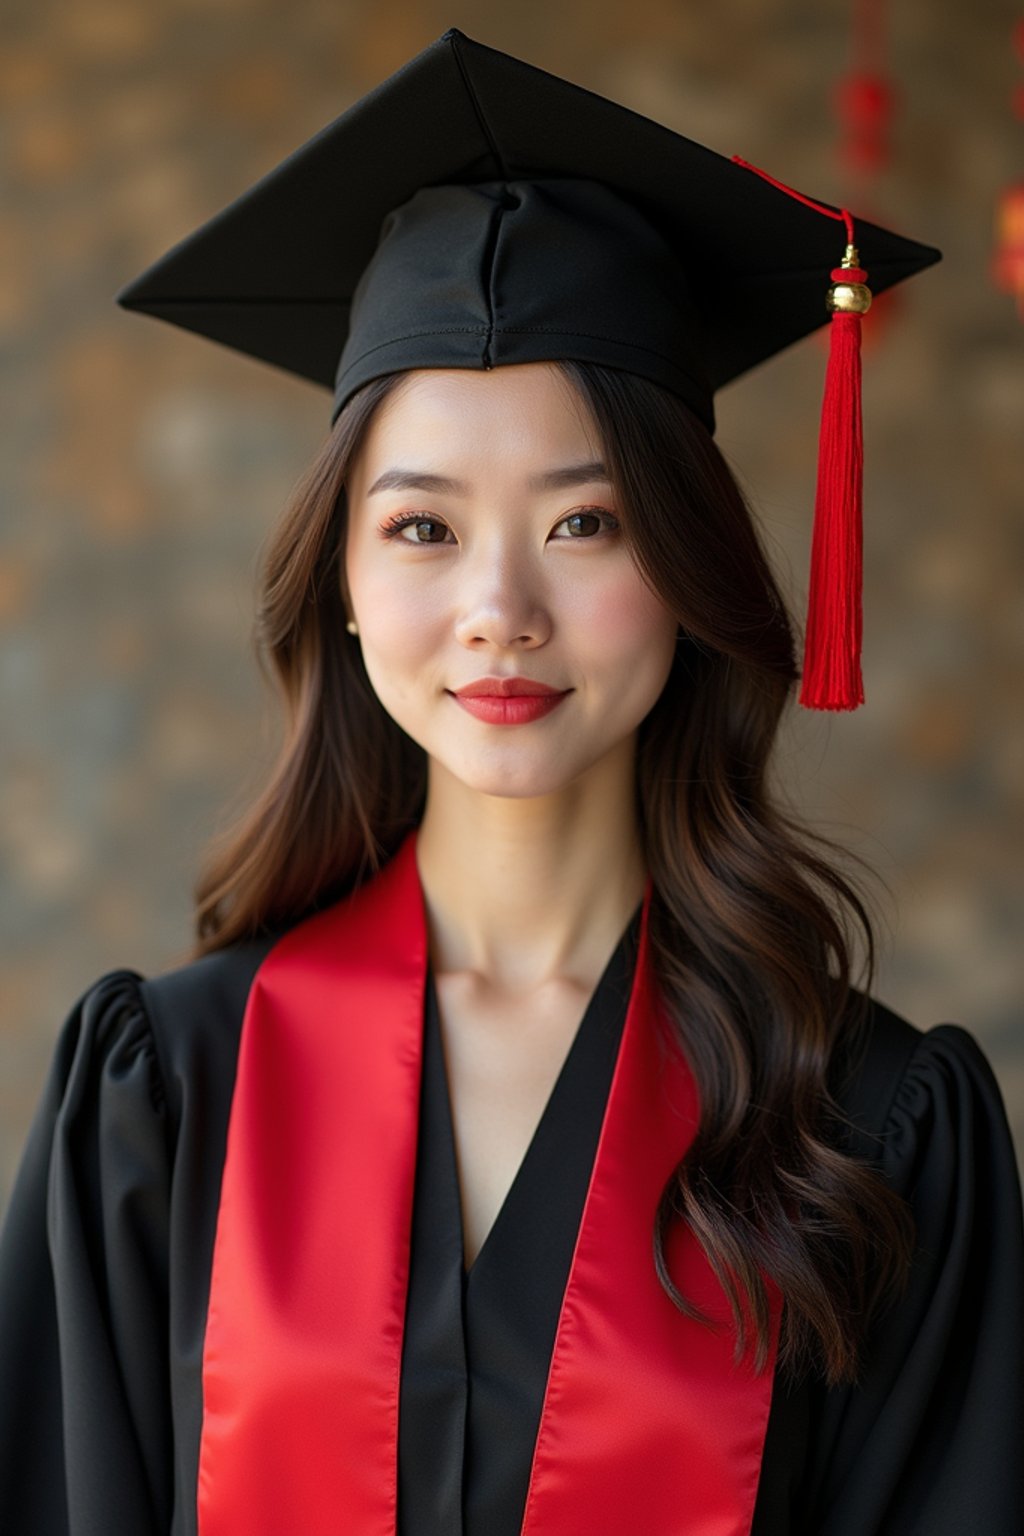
x=501 y=603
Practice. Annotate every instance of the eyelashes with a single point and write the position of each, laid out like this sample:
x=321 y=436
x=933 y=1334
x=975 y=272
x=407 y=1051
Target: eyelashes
x=394 y=525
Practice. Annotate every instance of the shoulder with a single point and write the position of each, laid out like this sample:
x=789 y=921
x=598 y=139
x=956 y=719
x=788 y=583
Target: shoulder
x=189 y=1017
x=909 y=1092
x=104 y=1040
x=195 y=1013
x=210 y=990
x=177 y=1026
x=871 y=1049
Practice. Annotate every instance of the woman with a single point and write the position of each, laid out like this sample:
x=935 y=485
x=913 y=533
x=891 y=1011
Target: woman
x=516 y=1154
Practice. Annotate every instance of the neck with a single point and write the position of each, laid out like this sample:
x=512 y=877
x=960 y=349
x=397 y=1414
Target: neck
x=525 y=891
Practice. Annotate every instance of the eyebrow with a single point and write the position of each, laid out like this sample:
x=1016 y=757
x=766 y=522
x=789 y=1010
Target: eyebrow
x=443 y=485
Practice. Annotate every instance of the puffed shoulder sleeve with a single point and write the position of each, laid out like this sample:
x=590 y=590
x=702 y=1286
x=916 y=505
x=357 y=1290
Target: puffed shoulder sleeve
x=929 y=1442
x=85 y=1429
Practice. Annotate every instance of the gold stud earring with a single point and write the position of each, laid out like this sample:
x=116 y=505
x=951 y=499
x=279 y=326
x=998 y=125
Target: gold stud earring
x=352 y=627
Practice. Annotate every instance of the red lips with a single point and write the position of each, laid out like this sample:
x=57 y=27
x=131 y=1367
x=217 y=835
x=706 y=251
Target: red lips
x=509 y=700
x=505 y=688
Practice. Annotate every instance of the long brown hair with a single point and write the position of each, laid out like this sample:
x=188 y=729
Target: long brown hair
x=752 y=926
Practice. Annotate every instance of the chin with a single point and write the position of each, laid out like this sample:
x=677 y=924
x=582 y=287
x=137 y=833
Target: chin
x=515 y=779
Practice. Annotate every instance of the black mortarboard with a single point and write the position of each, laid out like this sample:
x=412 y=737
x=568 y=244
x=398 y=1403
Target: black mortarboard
x=473 y=211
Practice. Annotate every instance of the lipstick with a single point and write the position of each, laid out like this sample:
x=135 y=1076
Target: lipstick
x=509 y=700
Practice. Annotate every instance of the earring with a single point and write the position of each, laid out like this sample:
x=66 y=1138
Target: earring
x=352 y=627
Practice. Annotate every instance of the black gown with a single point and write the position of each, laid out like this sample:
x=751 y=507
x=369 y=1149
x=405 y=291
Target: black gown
x=105 y=1267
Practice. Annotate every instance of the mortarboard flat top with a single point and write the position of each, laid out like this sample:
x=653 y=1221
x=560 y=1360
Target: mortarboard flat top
x=706 y=269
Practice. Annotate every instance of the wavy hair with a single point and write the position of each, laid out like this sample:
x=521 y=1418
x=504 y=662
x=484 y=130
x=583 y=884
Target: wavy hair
x=752 y=925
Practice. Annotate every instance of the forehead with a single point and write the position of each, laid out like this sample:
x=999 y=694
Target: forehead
x=520 y=411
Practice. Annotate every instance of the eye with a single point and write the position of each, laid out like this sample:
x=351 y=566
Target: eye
x=583 y=519
x=585 y=523
x=394 y=525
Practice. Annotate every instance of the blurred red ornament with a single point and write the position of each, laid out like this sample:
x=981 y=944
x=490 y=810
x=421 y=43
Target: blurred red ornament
x=864 y=104
x=865 y=101
x=1008 y=258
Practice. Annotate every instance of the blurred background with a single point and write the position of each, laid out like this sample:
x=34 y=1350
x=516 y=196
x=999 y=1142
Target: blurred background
x=140 y=467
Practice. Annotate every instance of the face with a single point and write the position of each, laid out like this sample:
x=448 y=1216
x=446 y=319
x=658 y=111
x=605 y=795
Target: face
x=483 y=542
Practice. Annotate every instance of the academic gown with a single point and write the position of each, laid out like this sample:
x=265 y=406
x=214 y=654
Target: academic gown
x=111 y=1238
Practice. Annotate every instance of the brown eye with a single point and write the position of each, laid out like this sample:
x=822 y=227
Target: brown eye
x=422 y=523
x=395 y=528
x=578 y=519
x=588 y=522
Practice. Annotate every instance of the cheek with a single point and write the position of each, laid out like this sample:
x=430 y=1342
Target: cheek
x=627 y=620
x=401 y=628
x=392 y=609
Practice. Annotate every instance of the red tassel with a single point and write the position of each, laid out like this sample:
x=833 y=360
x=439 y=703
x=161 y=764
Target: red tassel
x=831 y=674
x=832 y=647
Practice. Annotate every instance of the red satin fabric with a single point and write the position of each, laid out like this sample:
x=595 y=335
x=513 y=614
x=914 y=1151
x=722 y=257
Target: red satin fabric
x=647 y=1425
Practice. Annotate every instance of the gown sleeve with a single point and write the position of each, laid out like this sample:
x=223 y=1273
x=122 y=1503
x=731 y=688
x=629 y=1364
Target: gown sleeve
x=928 y=1444
x=85 y=1423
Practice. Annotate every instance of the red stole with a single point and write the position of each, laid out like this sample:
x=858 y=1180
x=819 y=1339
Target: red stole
x=647 y=1425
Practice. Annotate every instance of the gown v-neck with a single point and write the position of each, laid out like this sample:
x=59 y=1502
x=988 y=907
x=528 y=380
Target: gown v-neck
x=478 y=1342
x=596 y=1009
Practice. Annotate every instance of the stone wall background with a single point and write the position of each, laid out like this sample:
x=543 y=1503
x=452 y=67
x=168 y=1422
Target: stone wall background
x=140 y=467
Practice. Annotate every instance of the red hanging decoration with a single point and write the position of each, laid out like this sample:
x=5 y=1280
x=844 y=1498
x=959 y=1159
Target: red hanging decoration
x=1008 y=257
x=1008 y=260
x=832 y=642
x=865 y=99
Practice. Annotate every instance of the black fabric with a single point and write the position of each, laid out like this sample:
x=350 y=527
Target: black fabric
x=512 y=271
x=362 y=253
x=105 y=1256
x=929 y=1440
x=105 y=1259
x=85 y=1415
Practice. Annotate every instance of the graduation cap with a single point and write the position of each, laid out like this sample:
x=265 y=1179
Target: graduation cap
x=473 y=211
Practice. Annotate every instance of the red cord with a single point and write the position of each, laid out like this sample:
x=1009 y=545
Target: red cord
x=830 y=213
